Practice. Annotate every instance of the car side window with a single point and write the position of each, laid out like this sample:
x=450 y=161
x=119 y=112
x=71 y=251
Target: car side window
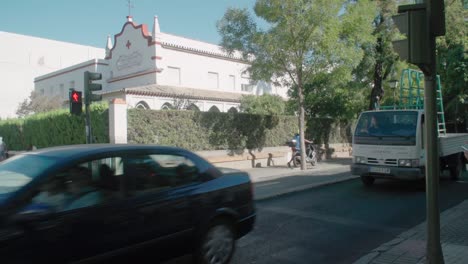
x=83 y=185
x=157 y=172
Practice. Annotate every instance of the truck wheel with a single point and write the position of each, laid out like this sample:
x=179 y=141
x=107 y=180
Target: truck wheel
x=367 y=180
x=456 y=169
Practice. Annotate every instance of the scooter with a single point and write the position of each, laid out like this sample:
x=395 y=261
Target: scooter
x=311 y=156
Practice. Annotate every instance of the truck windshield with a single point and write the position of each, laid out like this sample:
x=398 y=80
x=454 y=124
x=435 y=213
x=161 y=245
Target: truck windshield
x=388 y=127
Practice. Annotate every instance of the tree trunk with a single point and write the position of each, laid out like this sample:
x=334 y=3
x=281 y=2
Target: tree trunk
x=377 y=92
x=300 y=92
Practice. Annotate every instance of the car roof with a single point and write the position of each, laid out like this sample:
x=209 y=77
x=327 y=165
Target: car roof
x=82 y=150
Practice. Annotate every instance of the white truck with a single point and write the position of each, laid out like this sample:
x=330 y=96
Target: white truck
x=390 y=144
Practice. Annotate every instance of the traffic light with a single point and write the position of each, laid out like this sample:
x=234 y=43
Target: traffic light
x=89 y=87
x=76 y=103
x=411 y=21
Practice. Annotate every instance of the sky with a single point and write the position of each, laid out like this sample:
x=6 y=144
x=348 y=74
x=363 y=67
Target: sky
x=88 y=22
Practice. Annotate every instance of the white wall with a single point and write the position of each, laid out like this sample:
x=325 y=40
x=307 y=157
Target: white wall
x=22 y=58
x=137 y=59
x=198 y=61
x=50 y=83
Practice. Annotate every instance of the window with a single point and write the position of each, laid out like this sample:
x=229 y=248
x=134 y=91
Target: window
x=167 y=106
x=173 y=75
x=158 y=172
x=61 y=90
x=214 y=108
x=232 y=82
x=213 y=80
x=193 y=107
x=84 y=185
x=233 y=110
x=142 y=105
x=246 y=85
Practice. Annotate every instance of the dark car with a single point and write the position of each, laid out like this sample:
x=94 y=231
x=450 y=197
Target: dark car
x=90 y=202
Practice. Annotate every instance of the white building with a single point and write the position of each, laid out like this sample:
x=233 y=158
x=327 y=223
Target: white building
x=22 y=58
x=155 y=70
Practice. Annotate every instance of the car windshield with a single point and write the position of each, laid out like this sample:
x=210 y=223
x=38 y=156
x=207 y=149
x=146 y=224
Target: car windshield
x=387 y=124
x=19 y=170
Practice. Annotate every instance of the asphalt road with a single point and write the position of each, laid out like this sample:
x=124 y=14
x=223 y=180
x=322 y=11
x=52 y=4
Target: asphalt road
x=338 y=223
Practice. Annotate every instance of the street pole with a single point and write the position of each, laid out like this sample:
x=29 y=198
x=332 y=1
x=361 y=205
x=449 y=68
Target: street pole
x=434 y=253
x=88 y=125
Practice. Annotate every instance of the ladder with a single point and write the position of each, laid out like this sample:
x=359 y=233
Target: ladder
x=412 y=95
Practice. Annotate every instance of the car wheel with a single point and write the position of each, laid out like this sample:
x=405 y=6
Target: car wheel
x=456 y=169
x=367 y=180
x=218 y=244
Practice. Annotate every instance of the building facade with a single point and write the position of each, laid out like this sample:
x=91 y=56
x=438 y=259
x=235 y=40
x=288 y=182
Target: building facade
x=22 y=58
x=156 y=70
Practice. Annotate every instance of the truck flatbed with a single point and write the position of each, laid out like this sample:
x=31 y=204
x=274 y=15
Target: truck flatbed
x=451 y=143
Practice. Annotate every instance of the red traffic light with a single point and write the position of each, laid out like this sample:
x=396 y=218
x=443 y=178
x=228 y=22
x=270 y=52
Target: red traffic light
x=75 y=102
x=75 y=97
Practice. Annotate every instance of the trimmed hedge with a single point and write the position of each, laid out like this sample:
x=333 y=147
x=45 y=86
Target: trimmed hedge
x=55 y=128
x=192 y=130
x=209 y=130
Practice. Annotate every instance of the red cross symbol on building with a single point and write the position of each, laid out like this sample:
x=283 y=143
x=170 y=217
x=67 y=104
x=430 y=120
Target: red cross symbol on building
x=128 y=44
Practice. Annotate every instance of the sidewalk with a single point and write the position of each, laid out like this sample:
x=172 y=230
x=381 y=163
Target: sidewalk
x=410 y=247
x=278 y=180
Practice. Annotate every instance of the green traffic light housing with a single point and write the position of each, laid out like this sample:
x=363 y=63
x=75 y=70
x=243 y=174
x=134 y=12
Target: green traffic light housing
x=411 y=22
x=90 y=86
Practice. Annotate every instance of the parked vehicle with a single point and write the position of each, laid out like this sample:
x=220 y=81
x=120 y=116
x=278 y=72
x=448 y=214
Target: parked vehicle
x=391 y=143
x=88 y=202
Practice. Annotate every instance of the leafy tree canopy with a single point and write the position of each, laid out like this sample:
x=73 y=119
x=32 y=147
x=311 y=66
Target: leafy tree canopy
x=37 y=103
x=305 y=40
x=452 y=63
x=265 y=104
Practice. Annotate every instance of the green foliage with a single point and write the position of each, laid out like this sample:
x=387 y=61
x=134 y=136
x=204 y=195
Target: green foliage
x=209 y=130
x=305 y=41
x=54 y=128
x=265 y=104
x=303 y=38
x=452 y=62
x=37 y=103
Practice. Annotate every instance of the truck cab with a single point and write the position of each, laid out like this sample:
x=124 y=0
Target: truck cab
x=389 y=144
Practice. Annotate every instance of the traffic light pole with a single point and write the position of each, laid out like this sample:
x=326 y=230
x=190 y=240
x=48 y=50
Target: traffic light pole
x=89 y=87
x=89 y=138
x=434 y=254
x=422 y=23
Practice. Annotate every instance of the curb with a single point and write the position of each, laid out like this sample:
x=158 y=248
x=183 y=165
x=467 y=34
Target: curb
x=295 y=172
x=304 y=187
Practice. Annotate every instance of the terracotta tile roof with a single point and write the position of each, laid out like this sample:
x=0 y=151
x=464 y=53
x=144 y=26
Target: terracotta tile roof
x=184 y=92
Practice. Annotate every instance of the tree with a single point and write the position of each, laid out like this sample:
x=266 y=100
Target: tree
x=265 y=104
x=304 y=40
x=382 y=50
x=452 y=63
x=37 y=103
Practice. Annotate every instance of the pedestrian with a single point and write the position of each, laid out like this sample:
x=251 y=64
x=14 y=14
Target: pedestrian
x=3 y=150
x=296 y=150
